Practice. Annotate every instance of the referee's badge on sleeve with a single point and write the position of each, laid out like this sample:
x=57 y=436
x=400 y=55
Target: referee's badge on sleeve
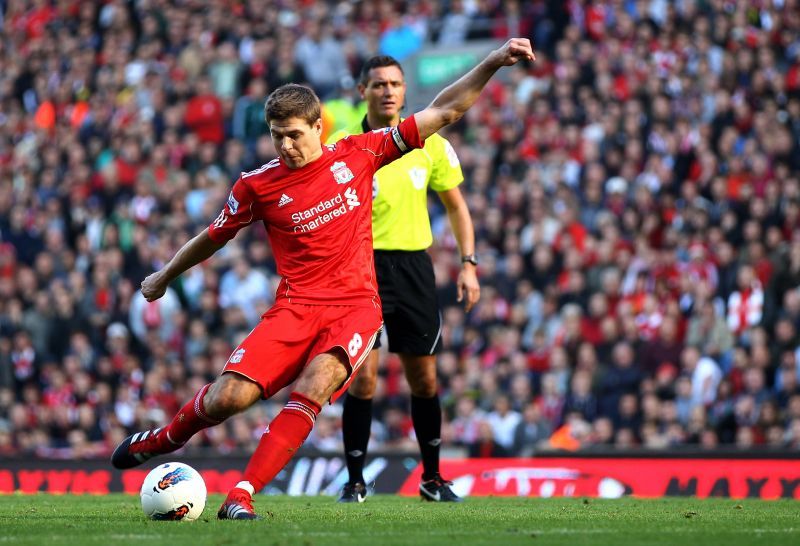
x=418 y=177
x=452 y=157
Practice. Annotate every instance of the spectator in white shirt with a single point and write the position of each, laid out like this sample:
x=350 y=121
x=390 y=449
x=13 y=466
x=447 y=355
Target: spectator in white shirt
x=745 y=305
x=704 y=373
x=245 y=288
x=504 y=421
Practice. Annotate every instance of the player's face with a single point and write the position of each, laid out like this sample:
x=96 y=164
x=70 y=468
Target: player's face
x=385 y=93
x=297 y=142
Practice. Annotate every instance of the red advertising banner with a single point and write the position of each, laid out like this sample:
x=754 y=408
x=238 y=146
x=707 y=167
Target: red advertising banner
x=98 y=482
x=309 y=474
x=316 y=474
x=612 y=478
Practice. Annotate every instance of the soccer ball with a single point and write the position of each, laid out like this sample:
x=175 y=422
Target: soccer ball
x=173 y=491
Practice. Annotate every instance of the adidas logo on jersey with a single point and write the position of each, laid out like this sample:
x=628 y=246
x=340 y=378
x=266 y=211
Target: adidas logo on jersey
x=285 y=200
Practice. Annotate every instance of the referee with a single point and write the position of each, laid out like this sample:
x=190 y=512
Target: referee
x=401 y=231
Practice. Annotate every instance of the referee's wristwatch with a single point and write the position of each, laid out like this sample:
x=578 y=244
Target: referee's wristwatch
x=469 y=258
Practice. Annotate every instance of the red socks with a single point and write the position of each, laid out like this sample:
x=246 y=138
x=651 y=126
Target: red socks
x=190 y=420
x=284 y=435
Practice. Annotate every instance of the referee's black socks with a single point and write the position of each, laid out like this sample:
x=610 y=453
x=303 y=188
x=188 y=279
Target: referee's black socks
x=356 y=422
x=426 y=414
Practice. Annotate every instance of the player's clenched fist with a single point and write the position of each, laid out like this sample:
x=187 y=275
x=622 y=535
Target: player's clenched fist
x=153 y=287
x=514 y=51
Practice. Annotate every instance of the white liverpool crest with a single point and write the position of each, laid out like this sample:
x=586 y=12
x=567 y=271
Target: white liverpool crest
x=341 y=172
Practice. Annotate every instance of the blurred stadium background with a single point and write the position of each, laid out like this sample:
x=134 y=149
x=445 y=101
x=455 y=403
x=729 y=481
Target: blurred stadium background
x=635 y=192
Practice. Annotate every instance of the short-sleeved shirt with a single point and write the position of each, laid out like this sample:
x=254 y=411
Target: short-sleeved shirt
x=400 y=209
x=318 y=217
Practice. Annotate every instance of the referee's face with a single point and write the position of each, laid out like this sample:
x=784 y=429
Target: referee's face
x=385 y=93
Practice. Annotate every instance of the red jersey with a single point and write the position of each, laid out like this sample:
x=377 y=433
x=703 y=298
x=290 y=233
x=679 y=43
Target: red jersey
x=205 y=117
x=319 y=217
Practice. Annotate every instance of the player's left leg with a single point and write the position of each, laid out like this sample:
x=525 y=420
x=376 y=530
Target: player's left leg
x=340 y=348
x=426 y=415
x=286 y=433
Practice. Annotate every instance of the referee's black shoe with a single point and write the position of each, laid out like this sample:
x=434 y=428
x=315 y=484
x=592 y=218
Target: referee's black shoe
x=438 y=490
x=353 y=492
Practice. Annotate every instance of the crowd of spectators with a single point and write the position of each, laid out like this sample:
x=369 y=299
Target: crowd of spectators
x=635 y=193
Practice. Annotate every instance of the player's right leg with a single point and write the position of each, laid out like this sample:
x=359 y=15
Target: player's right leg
x=228 y=395
x=356 y=424
x=337 y=339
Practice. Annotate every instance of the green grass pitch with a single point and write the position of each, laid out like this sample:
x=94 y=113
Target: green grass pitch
x=52 y=520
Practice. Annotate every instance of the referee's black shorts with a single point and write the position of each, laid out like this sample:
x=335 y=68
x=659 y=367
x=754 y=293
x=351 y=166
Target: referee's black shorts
x=407 y=287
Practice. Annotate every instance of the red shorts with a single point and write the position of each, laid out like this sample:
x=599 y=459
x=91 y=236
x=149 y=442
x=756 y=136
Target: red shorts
x=291 y=334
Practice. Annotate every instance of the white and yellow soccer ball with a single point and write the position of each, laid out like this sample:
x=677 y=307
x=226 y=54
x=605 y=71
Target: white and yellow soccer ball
x=173 y=491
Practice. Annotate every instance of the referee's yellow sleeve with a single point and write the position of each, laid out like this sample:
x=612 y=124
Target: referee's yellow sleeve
x=446 y=173
x=337 y=136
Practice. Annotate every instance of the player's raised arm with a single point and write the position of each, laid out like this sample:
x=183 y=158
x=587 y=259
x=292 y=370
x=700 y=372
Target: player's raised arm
x=452 y=102
x=192 y=253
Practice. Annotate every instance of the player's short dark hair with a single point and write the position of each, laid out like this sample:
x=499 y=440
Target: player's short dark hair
x=292 y=101
x=378 y=61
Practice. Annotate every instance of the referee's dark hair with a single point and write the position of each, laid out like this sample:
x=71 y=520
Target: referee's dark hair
x=378 y=61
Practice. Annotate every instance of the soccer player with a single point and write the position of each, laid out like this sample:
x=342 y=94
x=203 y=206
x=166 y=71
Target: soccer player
x=401 y=232
x=315 y=202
